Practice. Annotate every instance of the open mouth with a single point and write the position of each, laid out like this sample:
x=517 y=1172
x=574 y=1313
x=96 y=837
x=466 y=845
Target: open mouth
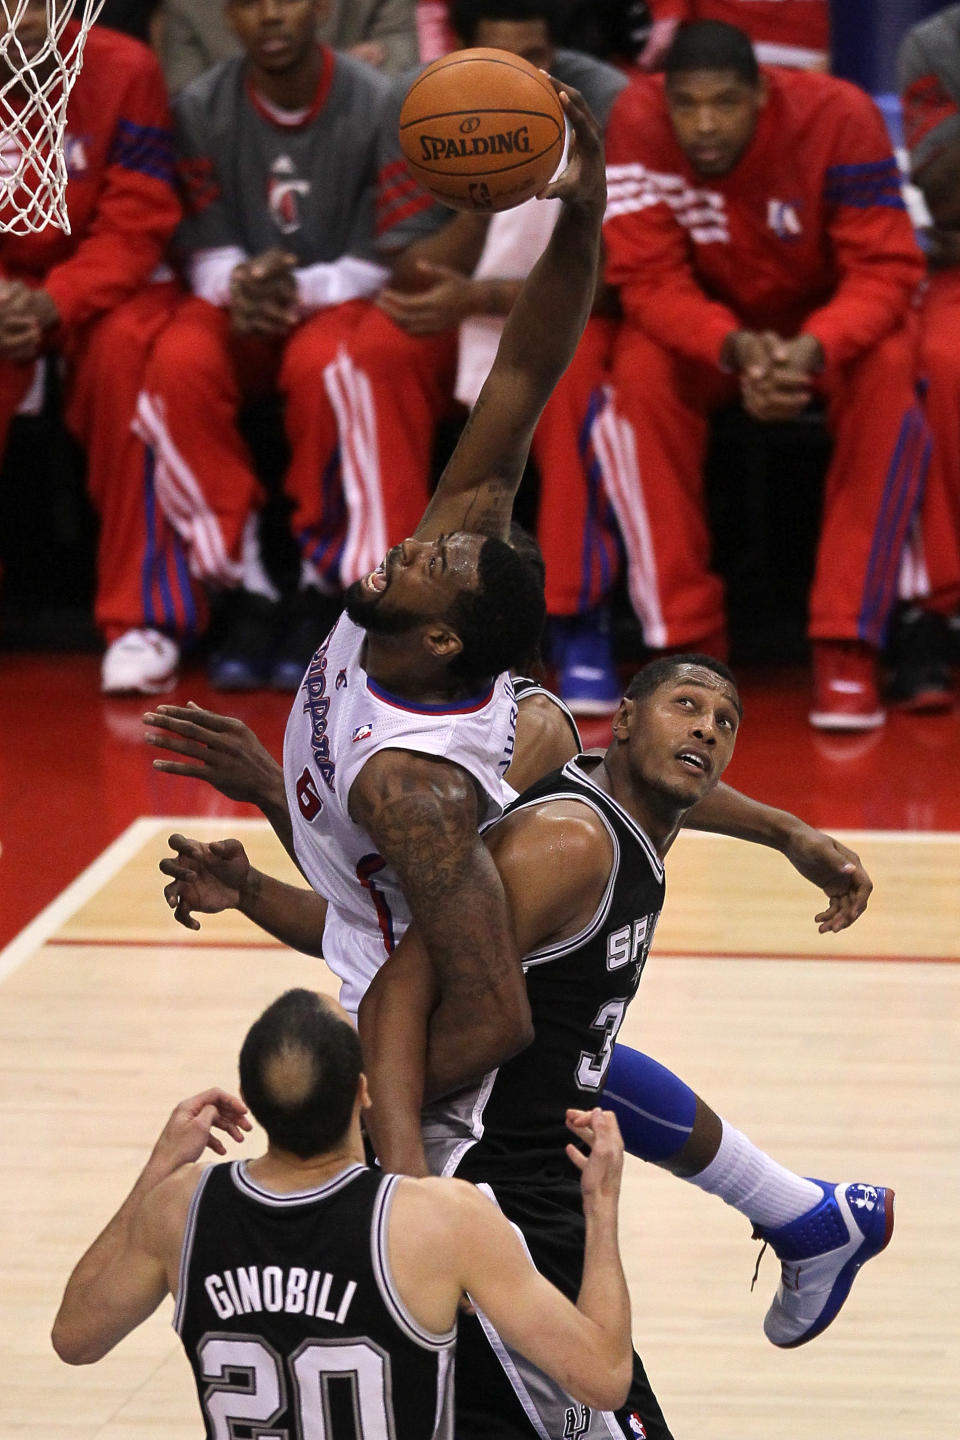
x=376 y=582
x=694 y=761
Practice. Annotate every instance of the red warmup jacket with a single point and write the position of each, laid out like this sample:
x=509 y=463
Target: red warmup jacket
x=784 y=31
x=120 y=190
x=808 y=232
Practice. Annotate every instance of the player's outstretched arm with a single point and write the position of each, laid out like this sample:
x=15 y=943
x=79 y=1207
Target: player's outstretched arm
x=225 y=753
x=209 y=878
x=827 y=863
x=477 y=489
x=123 y=1276
x=585 y=1347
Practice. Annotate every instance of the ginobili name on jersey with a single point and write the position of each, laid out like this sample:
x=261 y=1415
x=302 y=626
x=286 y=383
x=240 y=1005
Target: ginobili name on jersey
x=248 y=1289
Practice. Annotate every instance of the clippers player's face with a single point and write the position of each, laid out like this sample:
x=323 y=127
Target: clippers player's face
x=530 y=39
x=416 y=582
x=713 y=114
x=682 y=736
x=276 y=34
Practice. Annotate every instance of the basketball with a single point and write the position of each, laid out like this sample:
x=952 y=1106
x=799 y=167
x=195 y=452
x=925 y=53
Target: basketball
x=482 y=130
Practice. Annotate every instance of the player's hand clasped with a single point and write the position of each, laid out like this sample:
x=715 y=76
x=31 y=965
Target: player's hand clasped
x=206 y=878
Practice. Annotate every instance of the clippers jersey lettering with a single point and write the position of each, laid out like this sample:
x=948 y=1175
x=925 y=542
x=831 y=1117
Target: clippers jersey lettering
x=339 y=720
x=513 y=1122
x=290 y=1319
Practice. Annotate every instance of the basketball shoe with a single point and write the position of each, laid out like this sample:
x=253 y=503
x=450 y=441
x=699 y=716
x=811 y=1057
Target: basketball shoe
x=820 y=1254
x=845 y=693
x=140 y=662
x=582 y=647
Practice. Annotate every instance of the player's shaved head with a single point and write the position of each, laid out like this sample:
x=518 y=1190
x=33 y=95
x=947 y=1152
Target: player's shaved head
x=300 y=1068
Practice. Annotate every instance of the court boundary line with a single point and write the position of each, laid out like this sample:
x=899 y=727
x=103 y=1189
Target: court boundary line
x=37 y=933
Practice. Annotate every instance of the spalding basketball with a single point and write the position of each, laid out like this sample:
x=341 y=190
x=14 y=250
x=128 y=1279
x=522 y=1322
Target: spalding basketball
x=482 y=129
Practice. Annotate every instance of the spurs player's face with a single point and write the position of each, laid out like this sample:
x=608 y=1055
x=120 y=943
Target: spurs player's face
x=416 y=582
x=276 y=34
x=682 y=736
x=713 y=114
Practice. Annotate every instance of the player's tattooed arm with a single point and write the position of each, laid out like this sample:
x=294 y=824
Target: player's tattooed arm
x=826 y=862
x=477 y=489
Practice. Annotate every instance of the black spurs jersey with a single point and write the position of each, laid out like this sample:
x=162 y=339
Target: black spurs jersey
x=525 y=685
x=513 y=1122
x=289 y=1316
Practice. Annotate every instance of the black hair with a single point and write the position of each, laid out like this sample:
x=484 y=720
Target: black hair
x=314 y=1115
x=499 y=621
x=662 y=670
x=467 y=15
x=712 y=45
x=528 y=547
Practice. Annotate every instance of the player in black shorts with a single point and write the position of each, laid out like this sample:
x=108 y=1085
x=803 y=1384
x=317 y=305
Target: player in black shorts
x=581 y=857
x=316 y=1297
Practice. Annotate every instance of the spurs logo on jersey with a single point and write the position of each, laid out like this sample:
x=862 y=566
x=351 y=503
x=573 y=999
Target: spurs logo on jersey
x=284 y=192
x=699 y=210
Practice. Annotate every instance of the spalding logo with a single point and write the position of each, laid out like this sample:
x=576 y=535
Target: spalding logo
x=468 y=126
x=506 y=142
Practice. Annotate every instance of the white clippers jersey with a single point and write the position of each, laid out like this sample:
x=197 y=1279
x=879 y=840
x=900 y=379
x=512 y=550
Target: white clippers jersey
x=339 y=719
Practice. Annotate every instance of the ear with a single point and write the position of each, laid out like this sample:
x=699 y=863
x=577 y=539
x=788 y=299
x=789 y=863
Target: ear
x=363 y=1093
x=623 y=719
x=442 y=642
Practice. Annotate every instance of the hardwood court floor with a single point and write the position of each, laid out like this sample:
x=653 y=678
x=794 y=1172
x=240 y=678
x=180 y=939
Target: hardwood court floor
x=838 y=1055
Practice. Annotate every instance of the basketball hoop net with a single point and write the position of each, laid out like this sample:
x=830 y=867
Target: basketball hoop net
x=37 y=72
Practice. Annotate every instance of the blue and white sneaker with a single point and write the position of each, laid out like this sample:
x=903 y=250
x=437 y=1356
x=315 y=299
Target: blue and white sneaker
x=820 y=1254
x=586 y=673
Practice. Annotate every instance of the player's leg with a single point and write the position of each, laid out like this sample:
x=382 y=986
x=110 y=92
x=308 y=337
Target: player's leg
x=196 y=378
x=498 y=1392
x=872 y=492
x=821 y=1233
x=935 y=551
x=577 y=530
x=652 y=446
x=146 y=603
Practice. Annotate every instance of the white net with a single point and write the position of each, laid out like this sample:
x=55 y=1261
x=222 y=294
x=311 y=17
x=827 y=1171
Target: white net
x=41 y=51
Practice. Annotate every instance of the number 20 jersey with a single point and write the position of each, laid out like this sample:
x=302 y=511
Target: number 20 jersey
x=339 y=720
x=290 y=1318
x=513 y=1122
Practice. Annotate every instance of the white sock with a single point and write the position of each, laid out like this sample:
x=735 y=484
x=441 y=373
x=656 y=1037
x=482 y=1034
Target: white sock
x=255 y=579
x=752 y=1183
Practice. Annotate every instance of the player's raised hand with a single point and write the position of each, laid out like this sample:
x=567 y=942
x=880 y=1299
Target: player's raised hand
x=189 y=1130
x=602 y=1168
x=204 y=878
x=583 y=179
x=836 y=869
x=219 y=749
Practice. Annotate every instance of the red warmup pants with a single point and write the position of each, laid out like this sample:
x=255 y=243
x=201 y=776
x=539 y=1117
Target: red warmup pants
x=142 y=578
x=575 y=524
x=343 y=422
x=937 y=570
x=873 y=488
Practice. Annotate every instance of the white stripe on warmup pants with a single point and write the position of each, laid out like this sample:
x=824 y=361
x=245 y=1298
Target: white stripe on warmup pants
x=351 y=396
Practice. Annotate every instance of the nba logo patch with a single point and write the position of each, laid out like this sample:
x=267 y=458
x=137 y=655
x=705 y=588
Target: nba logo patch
x=362 y=732
x=75 y=154
x=341 y=680
x=637 y=1426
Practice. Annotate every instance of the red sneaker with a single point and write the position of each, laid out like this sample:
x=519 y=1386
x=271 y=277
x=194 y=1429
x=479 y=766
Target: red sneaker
x=845 y=691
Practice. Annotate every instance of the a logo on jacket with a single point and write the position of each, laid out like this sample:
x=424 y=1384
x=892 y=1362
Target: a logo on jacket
x=783 y=218
x=284 y=192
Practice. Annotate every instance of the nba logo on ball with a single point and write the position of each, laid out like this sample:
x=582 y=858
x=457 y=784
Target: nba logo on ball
x=482 y=130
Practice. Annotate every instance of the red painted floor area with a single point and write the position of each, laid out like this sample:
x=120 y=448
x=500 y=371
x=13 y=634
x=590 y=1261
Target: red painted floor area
x=74 y=770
